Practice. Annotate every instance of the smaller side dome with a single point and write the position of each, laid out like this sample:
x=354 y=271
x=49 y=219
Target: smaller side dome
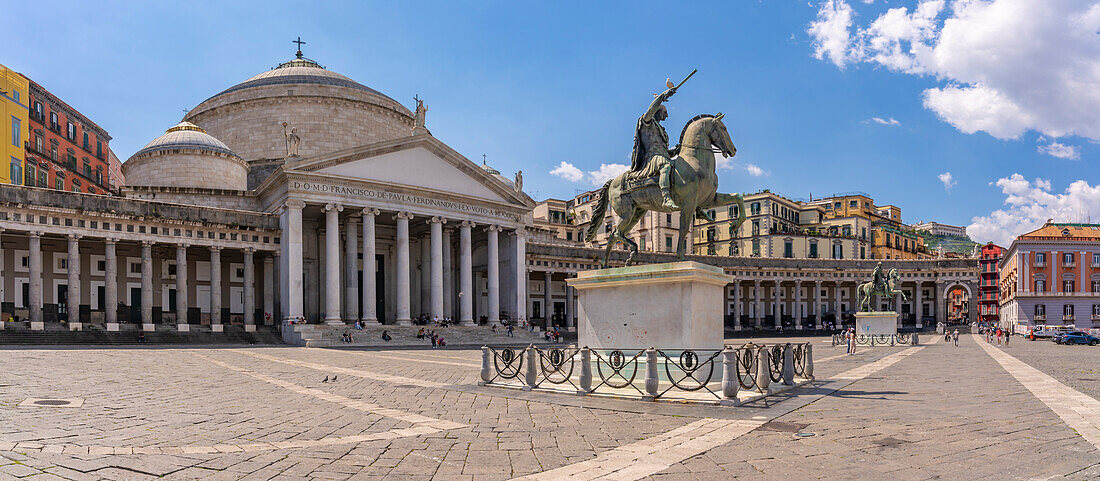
x=186 y=156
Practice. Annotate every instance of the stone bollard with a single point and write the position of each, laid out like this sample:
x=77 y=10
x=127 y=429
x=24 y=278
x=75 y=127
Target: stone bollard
x=916 y=341
x=485 y=371
x=532 y=369
x=650 y=375
x=763 y=369
x=809 y=370
x=788 y=364
x=730 y=383
x=586 y=371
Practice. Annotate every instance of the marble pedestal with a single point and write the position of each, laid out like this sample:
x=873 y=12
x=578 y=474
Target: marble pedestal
x=217 y=328
x=148 y=327
x=112 y=327
x=676 y=305
x=183 y=327
x=76 y=326
x=38 y=326
x=877 y=323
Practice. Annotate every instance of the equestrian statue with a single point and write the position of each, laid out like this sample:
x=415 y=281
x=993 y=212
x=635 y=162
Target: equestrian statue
x=660 y=179
x=880 y=285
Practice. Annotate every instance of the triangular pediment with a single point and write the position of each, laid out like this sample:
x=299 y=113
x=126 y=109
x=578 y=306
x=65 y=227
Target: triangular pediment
x=418 y=162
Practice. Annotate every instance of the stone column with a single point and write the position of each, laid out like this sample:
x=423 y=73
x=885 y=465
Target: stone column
x=797 y=311
x=34 y=254
x=758 y=306
x=436 y=226
x=897 y=307
x=293 y=294
x=425 y=274
x=836 y=310
x=918 y=303
x=777 y=311
x=403 y=288
x=941 y=303
x=448 y=276
x=332 y=264
x=74 y=283
x=351 y=270
x=465 y=275
x=494 y=275
x=249 y=290
x=521 y=274
x=216 y=289
x=1055 y=280
x=277 y=278
x=568 y=307
x=820 y=323
x=181 y=288
x=370 y=268
x=110 y=282
x=147 y=287
x=269 y=290
x=548 y=298
x=736 y=305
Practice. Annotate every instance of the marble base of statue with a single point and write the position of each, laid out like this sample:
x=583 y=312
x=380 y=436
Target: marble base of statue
x=877 y=323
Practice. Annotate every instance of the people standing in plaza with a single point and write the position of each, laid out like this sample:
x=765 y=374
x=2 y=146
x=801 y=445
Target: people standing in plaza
x=955 y=337
x=850 y=338
x=510 y=329
x=999 y=335
x=1008 y=335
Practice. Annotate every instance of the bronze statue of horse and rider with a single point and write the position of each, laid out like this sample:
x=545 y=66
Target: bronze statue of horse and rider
x=660 y=179
x=880 y=285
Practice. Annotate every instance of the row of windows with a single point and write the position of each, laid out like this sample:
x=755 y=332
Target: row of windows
x=1068 y=258
x=1067 y=286
x=70 y=130
x=1067 y=310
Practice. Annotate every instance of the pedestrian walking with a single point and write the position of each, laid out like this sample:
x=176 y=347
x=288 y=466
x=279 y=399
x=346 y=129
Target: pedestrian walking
x=955 y=337
x=510 y=329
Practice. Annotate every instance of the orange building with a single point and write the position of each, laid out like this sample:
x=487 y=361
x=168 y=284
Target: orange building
x=64 y=149
x=1051 y=276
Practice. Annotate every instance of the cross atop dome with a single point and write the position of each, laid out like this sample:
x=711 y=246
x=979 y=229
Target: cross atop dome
x=300 y=43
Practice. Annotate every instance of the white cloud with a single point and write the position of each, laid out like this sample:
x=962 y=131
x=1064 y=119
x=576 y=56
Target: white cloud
x=948 y=180
x=721 y=162
x=830 y=32
x=1028 y=204
x=606 y=172
x=1006 y=66
x=568 y=172
x=1060 y=150
x=755 y=171
x=891 y=121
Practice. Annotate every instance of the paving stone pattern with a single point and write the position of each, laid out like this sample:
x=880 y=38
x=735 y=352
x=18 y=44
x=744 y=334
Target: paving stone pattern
x=264 y=413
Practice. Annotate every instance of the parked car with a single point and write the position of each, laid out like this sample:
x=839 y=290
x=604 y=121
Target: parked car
x=1077 y=337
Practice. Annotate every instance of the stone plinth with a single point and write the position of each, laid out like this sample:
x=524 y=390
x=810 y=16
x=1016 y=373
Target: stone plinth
x=877 y=323
x=676 y=305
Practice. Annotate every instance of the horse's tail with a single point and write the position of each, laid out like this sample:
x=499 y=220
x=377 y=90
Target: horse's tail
x=597 y=213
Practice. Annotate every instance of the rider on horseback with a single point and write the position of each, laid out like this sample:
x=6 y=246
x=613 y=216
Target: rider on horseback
x=651 y=155
x=878 y=279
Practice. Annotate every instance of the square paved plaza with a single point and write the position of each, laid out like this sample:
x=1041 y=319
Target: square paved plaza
x=934 y=411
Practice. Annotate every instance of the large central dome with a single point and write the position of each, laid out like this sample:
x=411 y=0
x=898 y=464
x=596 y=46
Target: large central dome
x=328 y=111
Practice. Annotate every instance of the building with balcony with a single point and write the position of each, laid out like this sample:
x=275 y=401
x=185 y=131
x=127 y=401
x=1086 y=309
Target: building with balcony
x=64 y=149
x=13 y=124
x=989 y=285
x=568 y=220
x=1051 y=276
x=936 y=228
x=888 y=237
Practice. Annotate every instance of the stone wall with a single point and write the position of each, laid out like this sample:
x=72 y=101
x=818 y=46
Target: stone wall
x=217 y=198
x=186 y=168
x=327 y=119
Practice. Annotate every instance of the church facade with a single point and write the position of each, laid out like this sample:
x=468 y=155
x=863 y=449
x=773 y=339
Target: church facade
x=270 y=201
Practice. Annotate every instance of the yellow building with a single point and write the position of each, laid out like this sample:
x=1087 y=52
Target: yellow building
x=14 y=124
x=889 y=238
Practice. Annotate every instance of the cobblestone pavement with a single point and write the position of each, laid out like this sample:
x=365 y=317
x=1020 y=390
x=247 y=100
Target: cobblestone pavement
x=1076 y=366
x=265 y=413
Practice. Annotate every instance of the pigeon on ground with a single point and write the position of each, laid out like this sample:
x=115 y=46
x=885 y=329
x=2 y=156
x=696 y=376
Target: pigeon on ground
x=326 y=379
x=333 y=378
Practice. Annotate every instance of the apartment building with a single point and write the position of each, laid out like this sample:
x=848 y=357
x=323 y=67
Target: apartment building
x=1051 y=276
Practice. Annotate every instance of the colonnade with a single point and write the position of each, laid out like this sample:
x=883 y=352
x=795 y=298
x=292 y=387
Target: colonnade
x=786 y=299
x=185 y=284
x=437 y=286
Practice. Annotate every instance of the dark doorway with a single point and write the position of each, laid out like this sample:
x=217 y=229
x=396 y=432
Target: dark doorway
x=62 y=302
x=380 y=288
x=102 y=293
x=26 y=295
x=559 y=312
x=135 y=305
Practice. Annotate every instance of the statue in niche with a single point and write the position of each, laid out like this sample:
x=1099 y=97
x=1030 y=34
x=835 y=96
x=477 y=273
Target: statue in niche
x=292 y=140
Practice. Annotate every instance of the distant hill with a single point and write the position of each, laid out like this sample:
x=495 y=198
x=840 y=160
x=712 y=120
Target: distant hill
x=950 y=243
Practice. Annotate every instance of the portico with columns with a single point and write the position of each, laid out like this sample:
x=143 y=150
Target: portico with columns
x=402 y=231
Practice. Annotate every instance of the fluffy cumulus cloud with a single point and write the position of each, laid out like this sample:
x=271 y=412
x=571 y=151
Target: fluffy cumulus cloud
x=1005 y=66
x=1060 y=150
x=568 y=172
x=606 y=172
x=755 y=170
x=1028 y=205
x=948 y=180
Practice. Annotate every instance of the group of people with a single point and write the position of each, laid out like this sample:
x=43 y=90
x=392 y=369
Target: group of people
x=437 y=340
x=949 y=336
x=995 y=334
x=346 y=337
x=850 y=340
x=553 y=334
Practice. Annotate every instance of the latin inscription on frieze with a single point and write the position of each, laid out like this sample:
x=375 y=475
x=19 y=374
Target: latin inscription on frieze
x=398 y=197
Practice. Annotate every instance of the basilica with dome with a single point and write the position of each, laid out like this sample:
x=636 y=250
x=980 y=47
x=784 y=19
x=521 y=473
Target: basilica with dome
x=297 y=195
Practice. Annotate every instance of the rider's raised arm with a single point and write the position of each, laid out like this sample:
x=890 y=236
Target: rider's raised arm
x=656 y=104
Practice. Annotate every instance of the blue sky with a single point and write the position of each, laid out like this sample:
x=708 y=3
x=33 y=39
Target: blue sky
x=534 y=85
